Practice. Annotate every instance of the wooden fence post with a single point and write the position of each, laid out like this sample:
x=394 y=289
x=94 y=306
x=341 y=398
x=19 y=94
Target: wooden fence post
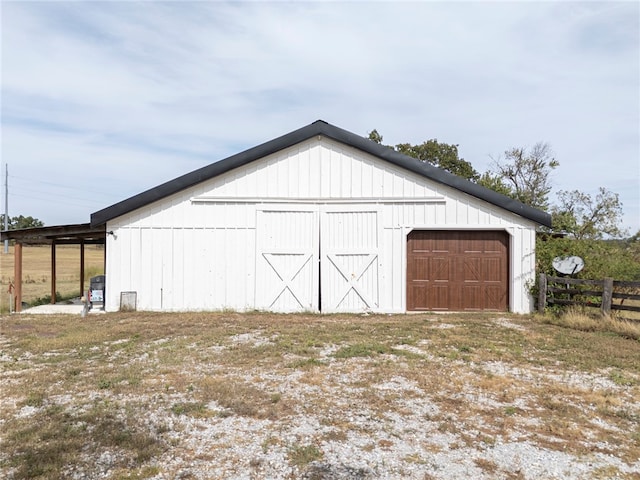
x=607 y=296
x=542 y=293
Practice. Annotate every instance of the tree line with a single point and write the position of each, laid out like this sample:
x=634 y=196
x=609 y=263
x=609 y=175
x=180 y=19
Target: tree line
x=20 y=221
x=589 y=226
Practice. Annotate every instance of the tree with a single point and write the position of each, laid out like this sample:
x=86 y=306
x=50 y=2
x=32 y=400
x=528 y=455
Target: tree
x=584 y=217
x=495 y=183
x=441 y=155
x=21 y=221
x=375 y=136
x=526 y=174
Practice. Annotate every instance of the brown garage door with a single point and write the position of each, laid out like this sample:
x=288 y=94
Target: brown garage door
x=457 y=270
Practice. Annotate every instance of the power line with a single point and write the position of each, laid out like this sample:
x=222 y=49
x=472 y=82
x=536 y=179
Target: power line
x=51 y=200
x=70 y=187
x=81 y=199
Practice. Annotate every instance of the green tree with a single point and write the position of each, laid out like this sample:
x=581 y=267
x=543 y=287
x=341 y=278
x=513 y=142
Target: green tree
x=495 y=183
x=21 y=221
x=602 y=258
x=585 y=217
x=441 y=155
x=375 y=136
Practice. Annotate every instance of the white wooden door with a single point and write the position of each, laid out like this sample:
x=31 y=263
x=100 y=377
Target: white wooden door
x=349 y=260
x=287 y=260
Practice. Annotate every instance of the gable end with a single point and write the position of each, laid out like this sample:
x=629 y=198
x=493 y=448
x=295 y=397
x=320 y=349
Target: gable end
x=321 y=128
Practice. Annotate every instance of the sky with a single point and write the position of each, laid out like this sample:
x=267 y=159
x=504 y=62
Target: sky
x=103 y=100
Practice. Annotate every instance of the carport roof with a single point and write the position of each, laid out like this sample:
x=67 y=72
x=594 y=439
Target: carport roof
x=325 y=129
x=61 y=234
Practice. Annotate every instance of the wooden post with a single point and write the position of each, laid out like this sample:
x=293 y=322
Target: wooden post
x=53 y=272
x=17 y=273
x=81 y=268
x=607 y=296
x=542 y=292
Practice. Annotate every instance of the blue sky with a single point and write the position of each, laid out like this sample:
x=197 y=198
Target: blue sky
x=103 y=100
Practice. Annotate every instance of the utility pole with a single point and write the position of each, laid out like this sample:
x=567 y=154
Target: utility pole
x=6 y=204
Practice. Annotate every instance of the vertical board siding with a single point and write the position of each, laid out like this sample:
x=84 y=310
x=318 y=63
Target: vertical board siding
x=184 y=255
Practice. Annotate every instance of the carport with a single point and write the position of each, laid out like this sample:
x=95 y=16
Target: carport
x=79 y=234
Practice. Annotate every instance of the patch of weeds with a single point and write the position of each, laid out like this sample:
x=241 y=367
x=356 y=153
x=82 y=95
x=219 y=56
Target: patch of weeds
x=46 y=299
x=268 y=443
x=453 y=355
x=362 y=350
x=193 y=409
x=606 y=472
x=240 y=398
x=400 y=352
x=104 y=384
x=510 y=410
x=140 y=474
x=34 y=399
x=415 y=458
x=487 y=440
x=627 y=414
x=302 y=455
x=44 y=445
x=306 y=363
x=336 y=435
x=275 y=397
x=619 y=378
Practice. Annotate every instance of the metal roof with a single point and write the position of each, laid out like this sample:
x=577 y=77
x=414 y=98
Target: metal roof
x=60 y=234
x=325 y=129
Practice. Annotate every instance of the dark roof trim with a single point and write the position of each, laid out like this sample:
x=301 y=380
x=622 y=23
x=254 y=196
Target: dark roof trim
x=82 y=232
x=323 y=128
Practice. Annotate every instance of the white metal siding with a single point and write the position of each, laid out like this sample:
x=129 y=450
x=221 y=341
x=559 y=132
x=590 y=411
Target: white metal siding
x=197 y=249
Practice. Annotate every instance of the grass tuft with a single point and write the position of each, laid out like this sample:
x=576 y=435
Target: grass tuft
x=362 y=350
x=302 y=455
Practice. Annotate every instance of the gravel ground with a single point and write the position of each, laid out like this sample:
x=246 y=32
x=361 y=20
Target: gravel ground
x=351 y=438
x=390 y=446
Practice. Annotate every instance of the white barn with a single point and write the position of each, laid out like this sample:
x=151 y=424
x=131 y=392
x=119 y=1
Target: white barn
x=321 y=220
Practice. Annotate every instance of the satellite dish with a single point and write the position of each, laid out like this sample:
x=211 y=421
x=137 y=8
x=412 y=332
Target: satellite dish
x=568 y=265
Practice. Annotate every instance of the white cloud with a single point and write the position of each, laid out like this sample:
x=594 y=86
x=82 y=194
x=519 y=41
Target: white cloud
x=153 y=90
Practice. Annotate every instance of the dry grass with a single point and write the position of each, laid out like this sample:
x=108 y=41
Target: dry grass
x=120 y=395
x=589 y=321
x=36 y=271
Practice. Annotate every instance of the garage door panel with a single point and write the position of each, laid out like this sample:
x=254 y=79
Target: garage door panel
x=472 y=271
x=473 y=297
x=420 y=269
x=441 y=269
x=419 y=293
x=439 y=297
x=458 y=270
x=493 y=269
x=495 y=298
